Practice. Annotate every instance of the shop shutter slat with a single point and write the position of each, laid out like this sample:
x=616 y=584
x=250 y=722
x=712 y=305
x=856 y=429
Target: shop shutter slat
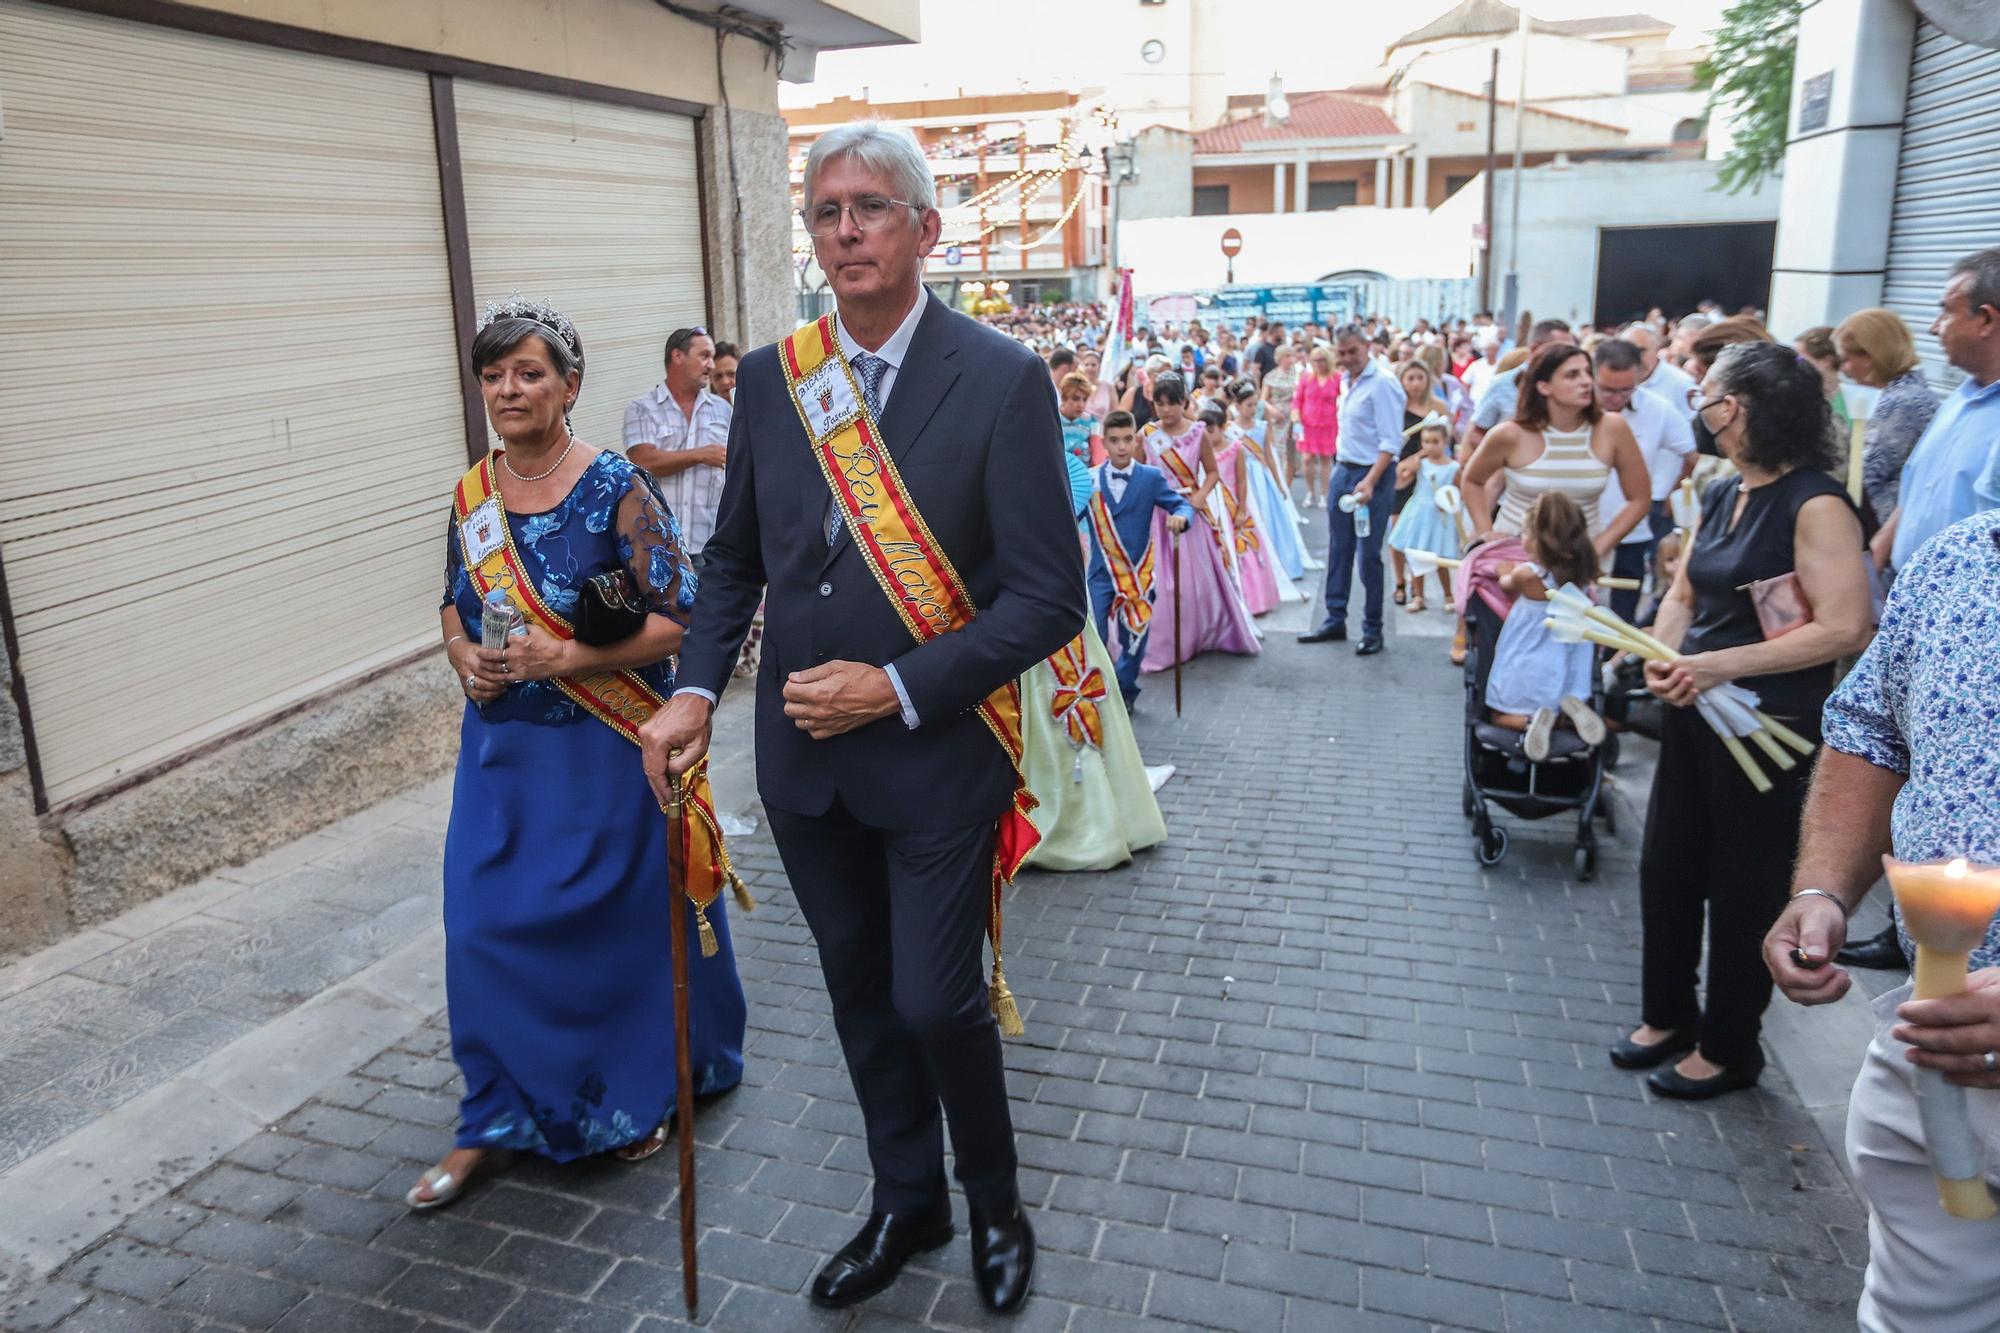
x=233 y=408
x=1947 y=193
x=594 y=208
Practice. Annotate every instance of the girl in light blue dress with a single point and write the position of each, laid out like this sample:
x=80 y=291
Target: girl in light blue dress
x=1422 y=526
x=1537 y=682
x=1277 y=517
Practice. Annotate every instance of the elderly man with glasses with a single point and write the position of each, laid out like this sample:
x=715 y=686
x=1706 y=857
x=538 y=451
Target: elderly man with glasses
x=896 y=478
x=679 y=432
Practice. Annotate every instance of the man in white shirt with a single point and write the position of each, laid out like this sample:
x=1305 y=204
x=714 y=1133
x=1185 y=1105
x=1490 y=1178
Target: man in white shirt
x=679 y=432
x=1666 y=442
x=1658 y=375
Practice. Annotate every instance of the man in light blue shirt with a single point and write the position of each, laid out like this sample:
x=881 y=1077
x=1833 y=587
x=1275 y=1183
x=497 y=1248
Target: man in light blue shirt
x=1371 y=435
x=1951 y=474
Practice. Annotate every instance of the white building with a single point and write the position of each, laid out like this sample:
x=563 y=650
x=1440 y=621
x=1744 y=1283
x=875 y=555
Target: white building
x=1889 y=173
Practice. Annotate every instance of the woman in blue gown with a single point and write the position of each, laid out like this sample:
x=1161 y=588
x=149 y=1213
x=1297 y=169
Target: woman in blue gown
x=556 y=895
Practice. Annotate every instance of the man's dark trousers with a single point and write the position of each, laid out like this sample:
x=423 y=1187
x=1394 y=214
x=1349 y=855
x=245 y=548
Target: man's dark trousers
x=1343 y=548
x=908 y=998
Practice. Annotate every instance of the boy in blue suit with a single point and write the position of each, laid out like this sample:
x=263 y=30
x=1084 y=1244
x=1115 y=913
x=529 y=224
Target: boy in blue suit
x=1131 y=491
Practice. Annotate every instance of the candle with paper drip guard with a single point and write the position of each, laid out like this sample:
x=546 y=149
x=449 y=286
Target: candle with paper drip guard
x=1425 y=563
x=1947 y=908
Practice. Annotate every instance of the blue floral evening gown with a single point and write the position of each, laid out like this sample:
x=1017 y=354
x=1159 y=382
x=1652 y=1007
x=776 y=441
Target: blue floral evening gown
x=557 y=966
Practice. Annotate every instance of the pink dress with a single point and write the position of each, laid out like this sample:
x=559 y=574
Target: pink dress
x=1316 y=403
x=1252 y=549
x=1213 y=616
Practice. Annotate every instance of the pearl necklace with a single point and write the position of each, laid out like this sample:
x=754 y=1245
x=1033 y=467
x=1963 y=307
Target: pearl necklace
x=508 y=464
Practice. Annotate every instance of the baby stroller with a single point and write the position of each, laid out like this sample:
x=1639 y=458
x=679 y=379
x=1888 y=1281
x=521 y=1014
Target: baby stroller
x=1496 y=769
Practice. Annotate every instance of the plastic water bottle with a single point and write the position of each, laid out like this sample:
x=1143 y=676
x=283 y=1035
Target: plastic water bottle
x=1361 y=520
x=498 y=619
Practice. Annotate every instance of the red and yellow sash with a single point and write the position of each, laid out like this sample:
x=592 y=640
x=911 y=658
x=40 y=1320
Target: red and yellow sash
x=1183 y=474
x=1240 y=522
x=1131 y=587
x=913 y=570
x=1079 y=689
x=622 y=700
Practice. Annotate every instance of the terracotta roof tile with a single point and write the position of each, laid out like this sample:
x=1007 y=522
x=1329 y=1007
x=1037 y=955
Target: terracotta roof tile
x=1316 y=117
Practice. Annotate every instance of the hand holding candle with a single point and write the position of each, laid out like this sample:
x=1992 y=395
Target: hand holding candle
x=1947 y=910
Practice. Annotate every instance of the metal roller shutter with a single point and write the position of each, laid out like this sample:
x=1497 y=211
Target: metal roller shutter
x=232 y=397
x=594 y=208
x=1947 y=192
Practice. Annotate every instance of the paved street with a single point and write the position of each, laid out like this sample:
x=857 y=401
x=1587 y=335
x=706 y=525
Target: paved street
x=1307 y=1067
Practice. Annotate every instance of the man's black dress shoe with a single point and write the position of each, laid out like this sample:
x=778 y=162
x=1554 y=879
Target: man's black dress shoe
x=877 y=1253
x=1370 y=645
x=1325 y=634
x=1670 y=1082
x=1003 y=1256
x=1629 y=1054
x=1884 y=951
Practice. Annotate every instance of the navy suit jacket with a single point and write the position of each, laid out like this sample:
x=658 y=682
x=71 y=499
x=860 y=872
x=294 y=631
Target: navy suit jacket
x=1132 y=515
x=971 y=423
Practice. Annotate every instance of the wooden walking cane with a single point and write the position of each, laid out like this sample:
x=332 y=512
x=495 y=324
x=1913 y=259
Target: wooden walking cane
x=1174 y=539
x=679 y=847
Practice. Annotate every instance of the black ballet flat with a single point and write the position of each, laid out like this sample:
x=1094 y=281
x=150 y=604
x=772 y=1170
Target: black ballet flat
x=1629 y=1054
x=1671 y=1082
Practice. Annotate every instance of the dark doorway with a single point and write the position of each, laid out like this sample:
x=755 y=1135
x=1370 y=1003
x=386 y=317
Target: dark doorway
x=1677 y=268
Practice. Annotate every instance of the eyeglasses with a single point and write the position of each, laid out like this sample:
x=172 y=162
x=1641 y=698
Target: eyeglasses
x=680 y=338
x=871 y=212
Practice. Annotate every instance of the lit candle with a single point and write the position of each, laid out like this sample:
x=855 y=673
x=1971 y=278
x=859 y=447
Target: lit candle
x=1947 y=909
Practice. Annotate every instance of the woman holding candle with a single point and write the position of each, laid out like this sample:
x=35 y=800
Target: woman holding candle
x=1717 y=852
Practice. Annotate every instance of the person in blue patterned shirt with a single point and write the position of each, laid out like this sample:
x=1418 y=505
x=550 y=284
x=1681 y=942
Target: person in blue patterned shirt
x=1912 y=764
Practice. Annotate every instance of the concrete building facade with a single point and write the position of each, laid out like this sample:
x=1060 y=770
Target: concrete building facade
x=1888 y=174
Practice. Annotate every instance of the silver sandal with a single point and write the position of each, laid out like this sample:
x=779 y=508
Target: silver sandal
x=444 y=1188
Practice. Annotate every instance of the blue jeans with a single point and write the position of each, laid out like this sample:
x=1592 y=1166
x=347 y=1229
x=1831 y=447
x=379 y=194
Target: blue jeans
x=1631 y=561
x=1344 y=548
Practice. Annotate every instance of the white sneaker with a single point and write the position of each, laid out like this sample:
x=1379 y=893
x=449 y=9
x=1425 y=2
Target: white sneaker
x=1589 y=726
x=1536 y=743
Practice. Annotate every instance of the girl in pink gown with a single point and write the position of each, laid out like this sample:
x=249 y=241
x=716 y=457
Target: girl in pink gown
x=1213 y=616
x=1253 y=555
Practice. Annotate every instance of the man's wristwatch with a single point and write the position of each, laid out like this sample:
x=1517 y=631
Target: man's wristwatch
x=1822 y=893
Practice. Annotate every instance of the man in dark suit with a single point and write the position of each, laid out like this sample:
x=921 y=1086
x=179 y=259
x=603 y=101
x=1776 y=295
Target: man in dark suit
x=1132 y=491
x=881 y=781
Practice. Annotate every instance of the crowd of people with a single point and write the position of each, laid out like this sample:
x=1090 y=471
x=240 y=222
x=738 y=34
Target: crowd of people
x=944 y=698
x=1804 y=520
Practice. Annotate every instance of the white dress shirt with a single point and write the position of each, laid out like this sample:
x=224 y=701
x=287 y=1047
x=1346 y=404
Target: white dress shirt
x=1118 y=481
x=1671 y=383
x=1665 y=441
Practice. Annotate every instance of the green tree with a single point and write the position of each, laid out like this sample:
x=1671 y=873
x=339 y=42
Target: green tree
x=1748 y=75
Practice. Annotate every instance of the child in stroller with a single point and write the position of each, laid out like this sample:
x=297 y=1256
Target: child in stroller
x=1532 y=732
x=1536 y=682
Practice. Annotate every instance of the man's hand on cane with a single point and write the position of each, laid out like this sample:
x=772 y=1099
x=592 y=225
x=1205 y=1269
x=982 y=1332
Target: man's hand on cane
x=1813 y=928
x=674 y=740
x=1956 y=1034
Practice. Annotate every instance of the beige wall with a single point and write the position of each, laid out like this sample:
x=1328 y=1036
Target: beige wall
x=633 y=44
x=1250 y=187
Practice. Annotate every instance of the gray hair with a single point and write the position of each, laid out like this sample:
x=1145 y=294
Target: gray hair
x=888 y=150
x=1984 y=269
x=507 y=332
x=1349 y=333
x=1693 y=323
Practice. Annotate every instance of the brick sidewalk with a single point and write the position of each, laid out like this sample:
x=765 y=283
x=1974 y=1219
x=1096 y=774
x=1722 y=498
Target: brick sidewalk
x=1307 y=1068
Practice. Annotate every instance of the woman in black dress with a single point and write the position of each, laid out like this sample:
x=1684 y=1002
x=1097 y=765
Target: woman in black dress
x=1717 y=851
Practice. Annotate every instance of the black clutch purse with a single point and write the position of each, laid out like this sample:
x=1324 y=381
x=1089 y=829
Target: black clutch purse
x=608 y=611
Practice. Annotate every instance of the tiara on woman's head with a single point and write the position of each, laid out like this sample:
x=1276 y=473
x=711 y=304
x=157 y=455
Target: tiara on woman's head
x=517 y=306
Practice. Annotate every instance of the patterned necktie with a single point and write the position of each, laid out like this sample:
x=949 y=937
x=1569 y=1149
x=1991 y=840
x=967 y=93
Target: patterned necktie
x=871 y=369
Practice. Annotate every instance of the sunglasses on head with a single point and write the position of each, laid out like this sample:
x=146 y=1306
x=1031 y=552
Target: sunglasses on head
x=680 y=338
